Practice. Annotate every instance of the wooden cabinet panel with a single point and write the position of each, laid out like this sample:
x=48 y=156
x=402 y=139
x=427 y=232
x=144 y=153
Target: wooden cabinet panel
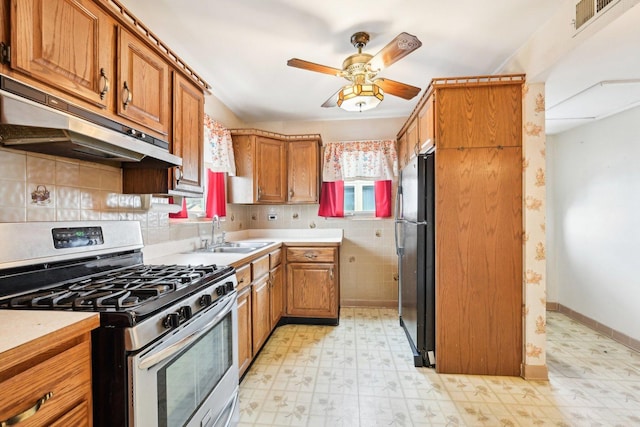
x=66 y=375
x=479 y=261
x=311 y=290
x=66 y=44
x=412 y=141
x=144 y=85
x=243 y=274
x=303 y=171
x=426 y=125
x=311 y=254
x=276 y=280
x=271 y=160
x=188 y=135
x=261 y=317
x=245 y=337
x=260 y=267
x=275 y=258
x=402 y=150
x=479 y=116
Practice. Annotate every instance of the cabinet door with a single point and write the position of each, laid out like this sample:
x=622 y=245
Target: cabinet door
x=261 y=320
x=276 y=280
x=271 y=176
x=312 y=290
x=188 y=135
x=412 y=140
x=426 y=128
x=65 y=44
x=479 y=261
x=244 y=330
x=479 y=116
x=143 y=85
x=402 y=150
x=303 y=171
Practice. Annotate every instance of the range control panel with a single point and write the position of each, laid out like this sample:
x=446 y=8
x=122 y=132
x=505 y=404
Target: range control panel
x=77 y=237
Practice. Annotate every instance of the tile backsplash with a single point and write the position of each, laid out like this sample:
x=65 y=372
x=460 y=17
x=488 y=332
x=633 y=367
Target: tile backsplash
x=36 y=187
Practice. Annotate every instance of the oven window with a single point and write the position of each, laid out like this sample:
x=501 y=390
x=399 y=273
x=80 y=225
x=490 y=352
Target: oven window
x=185 y=382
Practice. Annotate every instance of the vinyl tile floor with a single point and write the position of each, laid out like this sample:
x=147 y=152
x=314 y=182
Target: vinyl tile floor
x=361 y=373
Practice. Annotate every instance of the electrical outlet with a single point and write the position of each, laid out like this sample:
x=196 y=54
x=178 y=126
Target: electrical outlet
x=272 y=217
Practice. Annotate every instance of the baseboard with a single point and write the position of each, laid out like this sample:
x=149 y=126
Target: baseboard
x=535 y=372
x=605 y=330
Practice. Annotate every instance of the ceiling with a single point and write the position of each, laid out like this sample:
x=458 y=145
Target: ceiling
x=241 y=48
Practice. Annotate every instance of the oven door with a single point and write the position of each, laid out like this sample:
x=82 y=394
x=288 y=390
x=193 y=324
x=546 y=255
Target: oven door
x=191 y=377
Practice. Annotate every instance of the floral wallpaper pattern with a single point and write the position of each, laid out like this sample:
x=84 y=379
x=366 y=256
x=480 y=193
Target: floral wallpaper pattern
x=360 y=159
x=534 y=251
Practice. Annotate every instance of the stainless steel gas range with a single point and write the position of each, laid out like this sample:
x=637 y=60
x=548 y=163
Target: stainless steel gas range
x=165 y=353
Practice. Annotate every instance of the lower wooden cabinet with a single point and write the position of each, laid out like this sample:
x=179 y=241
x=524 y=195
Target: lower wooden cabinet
x=48 y=381
x=261 y=321
x=313 y=282
x=245 y=338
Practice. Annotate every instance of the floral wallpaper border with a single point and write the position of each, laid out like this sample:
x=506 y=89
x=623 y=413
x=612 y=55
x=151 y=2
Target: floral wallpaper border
x=534 y=241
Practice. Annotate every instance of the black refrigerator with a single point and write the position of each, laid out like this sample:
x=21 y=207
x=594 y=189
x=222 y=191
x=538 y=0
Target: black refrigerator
x=415 y=246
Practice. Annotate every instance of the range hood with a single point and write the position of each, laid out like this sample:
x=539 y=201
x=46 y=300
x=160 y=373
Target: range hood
x=32 y=120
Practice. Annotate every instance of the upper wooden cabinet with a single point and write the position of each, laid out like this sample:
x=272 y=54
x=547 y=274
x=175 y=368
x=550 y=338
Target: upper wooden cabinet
x=188 y=135
x=65 y=44
x=144 y=84
x=98 y=56
x=304 y=172
x=481 y=111
x=274 y=169
x=270 y=161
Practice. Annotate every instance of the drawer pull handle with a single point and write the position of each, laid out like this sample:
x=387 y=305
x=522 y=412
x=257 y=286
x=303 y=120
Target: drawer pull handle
x=28 y=413
x=310 y=255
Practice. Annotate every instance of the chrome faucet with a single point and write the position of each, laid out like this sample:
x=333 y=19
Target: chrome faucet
x=215 y=222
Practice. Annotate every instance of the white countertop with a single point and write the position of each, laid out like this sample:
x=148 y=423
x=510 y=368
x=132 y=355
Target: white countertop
x=181 y=252
x=21 y=326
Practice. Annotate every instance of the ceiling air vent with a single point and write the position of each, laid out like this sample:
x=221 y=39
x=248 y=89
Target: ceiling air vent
x=584 y=12
x=588 y=10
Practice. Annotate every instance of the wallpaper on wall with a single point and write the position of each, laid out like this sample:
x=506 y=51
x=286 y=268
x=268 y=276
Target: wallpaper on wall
x=534 y=252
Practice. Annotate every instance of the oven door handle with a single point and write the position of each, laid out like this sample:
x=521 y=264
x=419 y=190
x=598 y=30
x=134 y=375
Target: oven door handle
x=166 y=353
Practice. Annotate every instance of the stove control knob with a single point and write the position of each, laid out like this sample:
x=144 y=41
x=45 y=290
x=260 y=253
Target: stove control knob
x=205 y=300
x=171 y=321
x=229 y=286
x=185 y=313
x=220 y=290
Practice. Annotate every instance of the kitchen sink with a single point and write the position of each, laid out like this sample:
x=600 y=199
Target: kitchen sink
x=235 y=247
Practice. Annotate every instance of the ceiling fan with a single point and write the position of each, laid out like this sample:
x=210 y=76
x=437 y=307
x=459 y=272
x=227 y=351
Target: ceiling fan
x=365 y=90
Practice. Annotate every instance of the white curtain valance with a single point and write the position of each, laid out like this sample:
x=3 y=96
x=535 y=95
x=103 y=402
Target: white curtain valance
x=219 y=140
x=343 y=161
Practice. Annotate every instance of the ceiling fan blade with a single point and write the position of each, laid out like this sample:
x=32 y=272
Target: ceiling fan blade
x=332 y=101
x=306 y=65
x=393 y=87
x=398 y=48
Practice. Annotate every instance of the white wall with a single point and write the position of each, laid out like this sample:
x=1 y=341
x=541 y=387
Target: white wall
x=595 y=204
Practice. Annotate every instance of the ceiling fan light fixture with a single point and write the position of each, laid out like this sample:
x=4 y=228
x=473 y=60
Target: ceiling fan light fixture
x=360 y=97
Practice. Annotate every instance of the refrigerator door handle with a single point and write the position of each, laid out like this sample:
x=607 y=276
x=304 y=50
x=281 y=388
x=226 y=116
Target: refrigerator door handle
x=399 y=249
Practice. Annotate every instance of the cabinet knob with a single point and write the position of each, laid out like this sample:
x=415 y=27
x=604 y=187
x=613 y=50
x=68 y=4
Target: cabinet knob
x=105 y=85
x=290 y=194
x=310 y=255
x=177 y=173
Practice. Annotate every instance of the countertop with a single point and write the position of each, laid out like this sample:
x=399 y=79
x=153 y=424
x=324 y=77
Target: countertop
x=181 y=252
x=20 y=327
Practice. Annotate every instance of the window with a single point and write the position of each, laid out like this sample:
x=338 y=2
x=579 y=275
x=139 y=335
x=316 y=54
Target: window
x=359 y=196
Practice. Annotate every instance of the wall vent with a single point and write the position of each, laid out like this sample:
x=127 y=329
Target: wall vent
x=589 y=10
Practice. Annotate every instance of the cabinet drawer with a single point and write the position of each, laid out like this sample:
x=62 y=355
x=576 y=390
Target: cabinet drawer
x=67 y=376
x=275 y=258
x=260 y=267
x=302 y=254
x=244 y=276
